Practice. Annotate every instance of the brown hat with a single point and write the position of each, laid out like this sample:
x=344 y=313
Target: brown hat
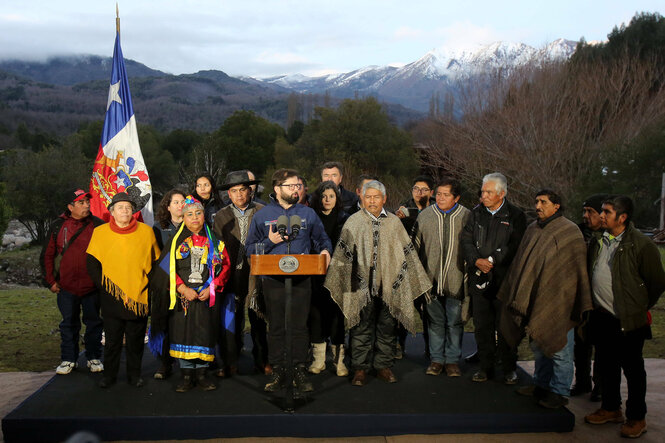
x=236 y=178
x=122 y=197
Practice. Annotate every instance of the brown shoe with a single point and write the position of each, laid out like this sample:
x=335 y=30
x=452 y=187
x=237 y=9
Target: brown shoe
x=267 y=369
x=434 y=368
x=386 y=375
x=359 y=378
x=453 y=370
x=227 y=371
x=601 y=416
x=633 y=428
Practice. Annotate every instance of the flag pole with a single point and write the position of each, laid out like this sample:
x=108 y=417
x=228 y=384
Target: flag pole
x=117 y=19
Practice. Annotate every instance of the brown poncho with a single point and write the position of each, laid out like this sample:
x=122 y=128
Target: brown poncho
x=547 y=287
x=401 y=276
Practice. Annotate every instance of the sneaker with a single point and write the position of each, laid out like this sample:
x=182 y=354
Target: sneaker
x=65 y=367
x=510 y=378
x=633 y=428
x=479 y=377
x=95 y=365
x=602 y=416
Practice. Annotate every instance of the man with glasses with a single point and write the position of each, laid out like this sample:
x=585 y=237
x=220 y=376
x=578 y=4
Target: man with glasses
x=422 y=191
x=311 y=238
x=232 y=226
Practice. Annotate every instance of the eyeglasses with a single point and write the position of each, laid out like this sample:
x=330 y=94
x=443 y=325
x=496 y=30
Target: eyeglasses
x=418 y=190
x=291 y=187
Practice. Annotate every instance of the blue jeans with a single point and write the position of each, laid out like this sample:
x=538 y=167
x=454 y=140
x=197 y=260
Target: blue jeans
x=70 y=306
x=446 y=329
x=555 y=374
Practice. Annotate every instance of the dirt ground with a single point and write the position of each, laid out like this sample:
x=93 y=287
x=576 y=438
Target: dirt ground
x=17 y=386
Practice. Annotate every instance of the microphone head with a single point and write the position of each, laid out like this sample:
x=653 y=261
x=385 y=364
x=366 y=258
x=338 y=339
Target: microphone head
x=282 y=222
x=295 y=222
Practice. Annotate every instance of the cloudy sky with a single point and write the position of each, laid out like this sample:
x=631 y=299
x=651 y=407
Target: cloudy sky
x=271 y=37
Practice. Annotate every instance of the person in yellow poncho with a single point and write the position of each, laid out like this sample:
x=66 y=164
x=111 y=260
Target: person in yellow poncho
x=120 y=256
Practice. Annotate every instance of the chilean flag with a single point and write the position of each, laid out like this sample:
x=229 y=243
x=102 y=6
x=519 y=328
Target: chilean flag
x=119 y=166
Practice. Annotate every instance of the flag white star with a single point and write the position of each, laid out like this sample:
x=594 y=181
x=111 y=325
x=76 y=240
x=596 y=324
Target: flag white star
x=113 y=95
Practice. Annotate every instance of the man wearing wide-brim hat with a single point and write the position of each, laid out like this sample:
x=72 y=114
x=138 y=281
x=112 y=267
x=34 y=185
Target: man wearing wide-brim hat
x=231 y=226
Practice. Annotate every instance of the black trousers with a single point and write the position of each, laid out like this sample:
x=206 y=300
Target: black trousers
x=373 y=340
x=134 y=332
x=617 y=350
x=325 y=317
x=491 y=344
x=274 y=294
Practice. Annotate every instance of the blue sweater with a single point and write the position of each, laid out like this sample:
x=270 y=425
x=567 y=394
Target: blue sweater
x=311 y=239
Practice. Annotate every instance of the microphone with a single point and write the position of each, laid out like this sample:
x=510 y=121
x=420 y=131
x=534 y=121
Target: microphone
x=282 y=221
x=295 y=221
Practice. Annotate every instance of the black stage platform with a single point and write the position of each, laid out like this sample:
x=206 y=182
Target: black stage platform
x=416 y=404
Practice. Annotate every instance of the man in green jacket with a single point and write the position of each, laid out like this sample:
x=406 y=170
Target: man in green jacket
x=627 y=279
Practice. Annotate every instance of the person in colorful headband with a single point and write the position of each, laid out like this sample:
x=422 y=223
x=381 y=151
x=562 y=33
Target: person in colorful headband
x=193 y=269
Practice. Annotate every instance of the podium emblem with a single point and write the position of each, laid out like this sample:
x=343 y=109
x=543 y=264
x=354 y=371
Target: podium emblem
x=288 y=264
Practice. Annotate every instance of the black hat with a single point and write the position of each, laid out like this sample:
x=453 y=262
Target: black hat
x=236 y=178
x=595 y=202
x=122 y=197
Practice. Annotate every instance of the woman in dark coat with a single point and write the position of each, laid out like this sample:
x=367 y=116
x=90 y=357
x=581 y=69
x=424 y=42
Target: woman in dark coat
x=325 y=318
x=205 y=191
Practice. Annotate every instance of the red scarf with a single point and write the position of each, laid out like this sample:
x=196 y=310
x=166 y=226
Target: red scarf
x=126 y=230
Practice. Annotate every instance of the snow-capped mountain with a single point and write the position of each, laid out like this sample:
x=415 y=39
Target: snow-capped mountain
x=414 y=84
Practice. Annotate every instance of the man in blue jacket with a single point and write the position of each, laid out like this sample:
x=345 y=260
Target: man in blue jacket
x=311 y=238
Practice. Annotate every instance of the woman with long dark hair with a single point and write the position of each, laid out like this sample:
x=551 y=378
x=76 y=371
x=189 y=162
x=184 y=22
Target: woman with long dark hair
x=325 y=318
x=169 y=216
x=205 y=191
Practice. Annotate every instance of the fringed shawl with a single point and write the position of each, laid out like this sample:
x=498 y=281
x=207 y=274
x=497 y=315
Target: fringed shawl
x=547 y=287
x=126 y=260
x=402 y=277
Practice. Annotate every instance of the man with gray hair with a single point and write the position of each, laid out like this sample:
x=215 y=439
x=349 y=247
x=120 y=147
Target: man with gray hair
x=488 y=244
x=374 y=277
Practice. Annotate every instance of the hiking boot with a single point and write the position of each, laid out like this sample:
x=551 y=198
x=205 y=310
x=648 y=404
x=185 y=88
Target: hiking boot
x=359 y=378
x=434 y=368
x=633 y=428
x=186 y=380
x=276 y=380
x=453 y=370
x=386 y=374
x=65 y=367
x=202 y=381
x=601 y=416
x=95 y=365
x=300 y=381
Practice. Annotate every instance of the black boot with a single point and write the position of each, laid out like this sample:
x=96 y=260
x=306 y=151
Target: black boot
x=300 y=381
x=276 y=380
x=187 y=381
x=202 y=381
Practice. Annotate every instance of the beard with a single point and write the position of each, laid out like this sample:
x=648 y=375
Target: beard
x=290 y=199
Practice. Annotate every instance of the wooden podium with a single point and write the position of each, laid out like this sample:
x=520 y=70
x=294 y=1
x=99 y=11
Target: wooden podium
x=287 y=266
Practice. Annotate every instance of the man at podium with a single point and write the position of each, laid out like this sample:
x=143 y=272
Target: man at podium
x=273 y=231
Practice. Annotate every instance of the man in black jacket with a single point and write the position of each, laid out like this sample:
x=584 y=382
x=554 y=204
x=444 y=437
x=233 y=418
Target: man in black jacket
x=489 y=241
x=334 y=171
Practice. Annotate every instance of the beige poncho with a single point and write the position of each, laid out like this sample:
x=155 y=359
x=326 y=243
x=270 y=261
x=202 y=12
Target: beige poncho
x=400 y=277
x=547 y=286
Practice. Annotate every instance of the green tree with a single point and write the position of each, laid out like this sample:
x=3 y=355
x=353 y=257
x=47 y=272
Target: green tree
x=37 y=184
x=5 y=210
x=180 y=143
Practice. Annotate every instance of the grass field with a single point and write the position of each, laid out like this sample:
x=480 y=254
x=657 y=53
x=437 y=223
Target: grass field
x=30 y=339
